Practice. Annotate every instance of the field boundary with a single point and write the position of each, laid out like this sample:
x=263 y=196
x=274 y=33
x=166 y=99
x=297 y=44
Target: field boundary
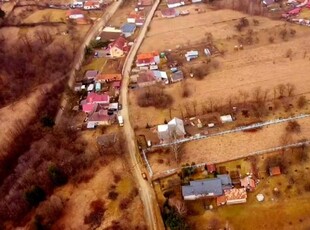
x=238 y=129
x=259 y=152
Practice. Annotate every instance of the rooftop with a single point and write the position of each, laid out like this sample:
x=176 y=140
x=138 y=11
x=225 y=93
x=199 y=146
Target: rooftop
x=201 y=188
x=128 y=28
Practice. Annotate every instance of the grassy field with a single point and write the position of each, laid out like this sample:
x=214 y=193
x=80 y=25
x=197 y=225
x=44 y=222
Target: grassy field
x=51 y=15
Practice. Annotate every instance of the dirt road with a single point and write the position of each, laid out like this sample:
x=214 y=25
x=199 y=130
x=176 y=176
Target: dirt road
x=147 y=195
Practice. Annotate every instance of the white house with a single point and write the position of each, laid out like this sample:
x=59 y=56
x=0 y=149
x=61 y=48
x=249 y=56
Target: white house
x=175 y=127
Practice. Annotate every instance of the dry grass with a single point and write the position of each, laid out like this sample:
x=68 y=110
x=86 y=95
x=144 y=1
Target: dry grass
x=41 y=15
x=238 y=145
x=259 y=65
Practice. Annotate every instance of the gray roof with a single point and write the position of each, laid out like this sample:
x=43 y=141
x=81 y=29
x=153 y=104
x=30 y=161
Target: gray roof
x=128 y=28
x=176 y=76
x=225 y=179
x=91 y=74
x=207 y=187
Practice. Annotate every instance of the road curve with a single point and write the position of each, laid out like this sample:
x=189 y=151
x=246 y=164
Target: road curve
x=147 y=195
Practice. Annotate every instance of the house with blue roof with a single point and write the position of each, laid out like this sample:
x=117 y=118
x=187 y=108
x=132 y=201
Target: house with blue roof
x=128 y=29
x=207 y=188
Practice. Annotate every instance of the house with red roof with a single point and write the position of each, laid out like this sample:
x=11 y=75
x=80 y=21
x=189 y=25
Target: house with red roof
x=91 y=5
x=137 y=18
x=75 y=14
x=147 y=59
x=99 y=118
x=92 y=101
x=119 y=47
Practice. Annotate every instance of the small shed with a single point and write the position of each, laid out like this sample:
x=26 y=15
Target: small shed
x=226 y=119
x=274 y=171
x=177 y=76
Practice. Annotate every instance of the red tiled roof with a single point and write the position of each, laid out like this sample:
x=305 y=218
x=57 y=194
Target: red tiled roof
x=101 y=115
x=119 y=43
x=274 y=171
x=74 y=11
x=94 y=98
x=91 y=3
x=87 y=108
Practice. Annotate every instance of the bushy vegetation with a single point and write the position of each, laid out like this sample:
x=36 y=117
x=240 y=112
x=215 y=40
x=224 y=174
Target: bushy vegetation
x=154 y=96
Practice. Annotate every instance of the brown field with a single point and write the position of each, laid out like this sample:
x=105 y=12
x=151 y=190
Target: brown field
x=168 y=33
x=51 y=14
x=262 y=64
x=80 y=197
x=238 y=145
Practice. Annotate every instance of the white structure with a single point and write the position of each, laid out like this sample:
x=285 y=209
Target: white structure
x=260 y=197
x=111 y=29
x=191 y=55
x=226 y=119
x=174 y=129
x=175 y=3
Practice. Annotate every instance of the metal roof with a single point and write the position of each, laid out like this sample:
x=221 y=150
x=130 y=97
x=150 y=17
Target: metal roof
x=128 y=28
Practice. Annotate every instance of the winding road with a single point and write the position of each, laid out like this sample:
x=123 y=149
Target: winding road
x=147 y=195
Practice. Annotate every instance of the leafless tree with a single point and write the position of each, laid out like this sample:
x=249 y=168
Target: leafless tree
x=178 y=204
x=175 y=147
x=44 y=36
x=194 y=105
x=290 y=89
x=281 y=90
x=244 y=96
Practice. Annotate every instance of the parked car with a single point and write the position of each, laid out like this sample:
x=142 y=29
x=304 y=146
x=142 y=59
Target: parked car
x=120 y=106
x=144 y=176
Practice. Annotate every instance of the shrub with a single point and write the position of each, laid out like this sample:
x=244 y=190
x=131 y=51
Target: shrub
x=35 y=195
x=95 y=217
x=255 y=22
x=271 y=39
x=124 y=204
x=289 y=53
x=307 y=186
x=57 y=175
x=301 y=102
x=293 y=127
x=47 y=121
x=113 y=195
x=154 y=97
x=283 y=34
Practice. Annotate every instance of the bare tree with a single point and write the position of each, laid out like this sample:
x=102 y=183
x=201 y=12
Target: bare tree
x=257 y=95
x=44 y=36
x=244 y=96
x=175 y=147
x=290 y=89
x=194 y=105
x=178 y=204
x=211 y=103
x=281 y=90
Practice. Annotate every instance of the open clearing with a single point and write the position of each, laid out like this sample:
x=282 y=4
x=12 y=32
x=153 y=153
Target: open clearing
x=50 y=15
x=168 y=33
x=262 y=64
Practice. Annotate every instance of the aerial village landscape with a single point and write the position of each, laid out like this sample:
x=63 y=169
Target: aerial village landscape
x=154 y=114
